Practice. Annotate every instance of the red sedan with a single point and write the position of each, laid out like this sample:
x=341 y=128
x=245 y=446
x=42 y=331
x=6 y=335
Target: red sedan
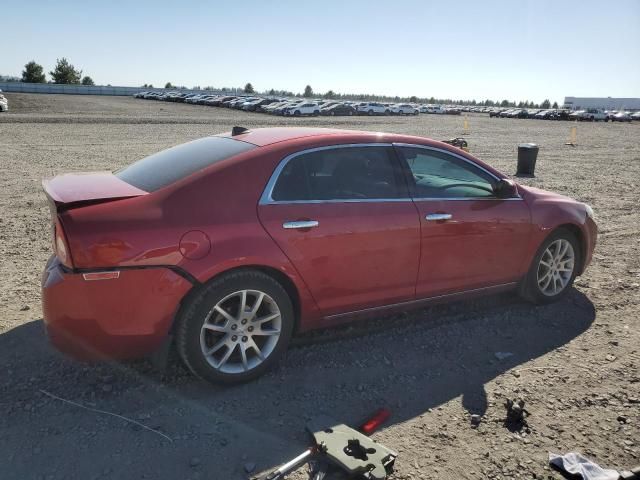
x=228 y=245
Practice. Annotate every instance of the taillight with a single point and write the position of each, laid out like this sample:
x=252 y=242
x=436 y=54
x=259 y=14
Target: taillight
x=61 y=248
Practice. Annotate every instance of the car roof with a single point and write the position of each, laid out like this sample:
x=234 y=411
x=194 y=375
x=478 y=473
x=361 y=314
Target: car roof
x=267 y=136
x=300 y=136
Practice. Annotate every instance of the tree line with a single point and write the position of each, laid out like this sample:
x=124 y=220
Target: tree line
x=64 y=72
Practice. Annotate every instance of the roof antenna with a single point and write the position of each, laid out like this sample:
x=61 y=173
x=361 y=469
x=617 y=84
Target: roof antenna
x=238 y=131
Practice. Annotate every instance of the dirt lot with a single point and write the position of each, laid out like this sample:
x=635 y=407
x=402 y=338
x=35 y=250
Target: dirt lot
x=575 y=363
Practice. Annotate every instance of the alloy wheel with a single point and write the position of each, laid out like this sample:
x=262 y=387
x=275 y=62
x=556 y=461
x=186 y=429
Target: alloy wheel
x=241 y=331
x=555 y=268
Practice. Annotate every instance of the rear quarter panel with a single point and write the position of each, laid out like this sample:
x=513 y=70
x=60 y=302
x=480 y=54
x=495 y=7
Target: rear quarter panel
x=219 y=203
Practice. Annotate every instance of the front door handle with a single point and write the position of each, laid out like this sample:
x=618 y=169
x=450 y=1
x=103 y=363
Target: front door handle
x=300 y=224
x=437 y=217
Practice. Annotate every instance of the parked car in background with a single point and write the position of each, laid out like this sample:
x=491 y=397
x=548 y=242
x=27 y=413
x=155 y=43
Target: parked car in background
x=304 y=108
x=4 y=103
x=338 y=109
x=593 y=115
x=326 y=105
x=437 y=109
x=561 y=114
x=280 y=110
x=372 y=108
x=260 y=102
x=635 y=116
x=576 y=114
x=272 y=106
x=517 y=113
x=124 y=282
x=404 y=109
x=621 y=117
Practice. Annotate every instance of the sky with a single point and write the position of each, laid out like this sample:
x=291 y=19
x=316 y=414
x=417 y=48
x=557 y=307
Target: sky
x=460 y=49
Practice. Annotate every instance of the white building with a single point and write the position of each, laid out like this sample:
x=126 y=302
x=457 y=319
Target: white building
x=608 y=103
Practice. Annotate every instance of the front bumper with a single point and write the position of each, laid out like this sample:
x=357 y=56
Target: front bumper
x=590 y=240
x=121 y=318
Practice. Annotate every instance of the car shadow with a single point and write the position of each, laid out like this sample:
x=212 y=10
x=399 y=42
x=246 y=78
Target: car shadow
x=410 y=363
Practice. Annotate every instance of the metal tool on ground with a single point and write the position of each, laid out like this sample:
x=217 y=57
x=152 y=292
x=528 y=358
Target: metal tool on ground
x=339 y=448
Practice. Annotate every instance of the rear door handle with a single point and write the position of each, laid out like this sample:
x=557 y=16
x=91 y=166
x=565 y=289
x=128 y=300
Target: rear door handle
x=435 y=217
x=300 y=224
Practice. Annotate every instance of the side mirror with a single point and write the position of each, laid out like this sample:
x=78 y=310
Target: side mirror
x=505 y=188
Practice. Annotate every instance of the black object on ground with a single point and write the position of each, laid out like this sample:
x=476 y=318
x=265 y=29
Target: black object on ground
x=527 y=155
x=458 y=142
x=516 y=416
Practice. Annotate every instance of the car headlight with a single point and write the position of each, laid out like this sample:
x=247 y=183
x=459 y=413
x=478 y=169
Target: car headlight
x=590 y=212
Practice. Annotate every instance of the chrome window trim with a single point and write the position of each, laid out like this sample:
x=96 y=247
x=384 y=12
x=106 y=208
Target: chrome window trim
x=266 y=199
x=337 y=200
x=460 y=157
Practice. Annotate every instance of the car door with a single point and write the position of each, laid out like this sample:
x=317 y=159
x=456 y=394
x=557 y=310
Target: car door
x=343 y=217
x=470 y=238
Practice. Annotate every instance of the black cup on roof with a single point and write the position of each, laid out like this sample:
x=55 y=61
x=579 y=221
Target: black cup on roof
x=527 y=155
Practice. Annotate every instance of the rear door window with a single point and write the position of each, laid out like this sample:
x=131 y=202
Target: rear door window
x=164 y=168
x=346 y=173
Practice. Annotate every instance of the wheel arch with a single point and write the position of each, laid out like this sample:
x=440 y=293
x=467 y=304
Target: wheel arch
x=282 y=278
x=576 y=231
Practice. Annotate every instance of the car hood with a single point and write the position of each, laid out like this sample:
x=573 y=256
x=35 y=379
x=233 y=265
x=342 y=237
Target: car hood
x=533 y=194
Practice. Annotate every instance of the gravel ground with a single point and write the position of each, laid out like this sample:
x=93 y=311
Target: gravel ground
x=574 y=363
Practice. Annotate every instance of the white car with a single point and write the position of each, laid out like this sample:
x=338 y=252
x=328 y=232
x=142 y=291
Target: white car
x=434 y=109
x=4 y=103
x=404 y=109
x=593 y=115
x=304 y=108
x=372 y=108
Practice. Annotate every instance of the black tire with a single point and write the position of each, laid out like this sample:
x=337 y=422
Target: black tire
x=316 y=113
x=370 y=112
x=529 y=288
x=296 y=113
x=194 y=313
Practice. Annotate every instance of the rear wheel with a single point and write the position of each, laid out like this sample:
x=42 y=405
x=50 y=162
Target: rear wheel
x=296 y=113
x=236 y=328
x=553 y=269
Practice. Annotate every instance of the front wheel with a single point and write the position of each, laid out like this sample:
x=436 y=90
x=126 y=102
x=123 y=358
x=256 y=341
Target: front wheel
x=236 y=328
x=553 y=269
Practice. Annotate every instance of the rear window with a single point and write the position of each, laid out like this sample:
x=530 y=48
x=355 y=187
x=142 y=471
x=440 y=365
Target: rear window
x=169 y=166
